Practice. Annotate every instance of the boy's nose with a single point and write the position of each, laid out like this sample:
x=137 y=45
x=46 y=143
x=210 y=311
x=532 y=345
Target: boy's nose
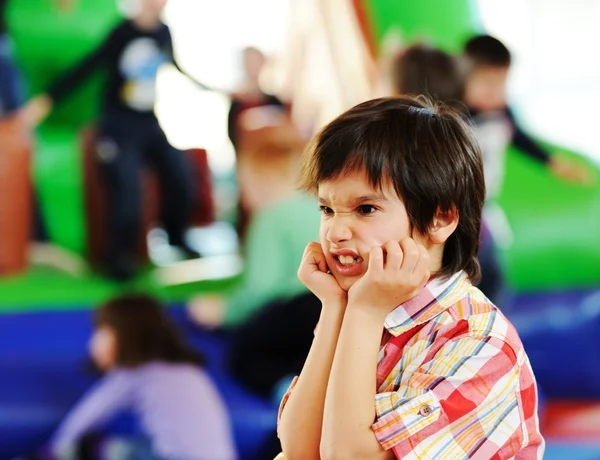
x=338 y=230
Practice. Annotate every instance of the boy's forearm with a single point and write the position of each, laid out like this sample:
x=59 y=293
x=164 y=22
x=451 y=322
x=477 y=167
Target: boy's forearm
x=302 y=418
x=350 y=403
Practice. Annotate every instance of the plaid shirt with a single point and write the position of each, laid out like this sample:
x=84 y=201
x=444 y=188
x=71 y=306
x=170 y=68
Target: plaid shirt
x=453 y=380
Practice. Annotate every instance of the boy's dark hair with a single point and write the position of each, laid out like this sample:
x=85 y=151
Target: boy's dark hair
x=144 y=332
x=485 y=50
x=422 y=69
x=429 y=154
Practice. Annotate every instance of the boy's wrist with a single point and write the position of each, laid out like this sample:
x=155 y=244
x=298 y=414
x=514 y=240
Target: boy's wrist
x=371 y=311
x=337 y=304
x=332 y=313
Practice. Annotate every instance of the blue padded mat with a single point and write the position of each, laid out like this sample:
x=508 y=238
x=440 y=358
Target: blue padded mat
x=561 y=334
x=43 y=356
x=43 y=361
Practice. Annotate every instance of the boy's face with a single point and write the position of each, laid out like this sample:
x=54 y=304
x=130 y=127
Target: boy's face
x=355 y=218
x=103 y=348
x=254 y=61
x=153 y=6
x=485 y=89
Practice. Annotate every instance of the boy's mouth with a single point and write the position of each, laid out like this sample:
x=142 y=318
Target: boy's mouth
x=348 y=263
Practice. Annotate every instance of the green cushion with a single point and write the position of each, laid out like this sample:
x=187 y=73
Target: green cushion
x=556 y=227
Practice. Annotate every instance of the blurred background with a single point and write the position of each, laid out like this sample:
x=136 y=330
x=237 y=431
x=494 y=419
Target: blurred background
x=207 y=218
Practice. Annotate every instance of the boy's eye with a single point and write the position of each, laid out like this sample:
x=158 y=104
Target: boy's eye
x=326 y=210
x=366 y=209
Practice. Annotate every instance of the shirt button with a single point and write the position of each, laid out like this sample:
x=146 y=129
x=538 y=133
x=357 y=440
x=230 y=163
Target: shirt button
x=425 y=410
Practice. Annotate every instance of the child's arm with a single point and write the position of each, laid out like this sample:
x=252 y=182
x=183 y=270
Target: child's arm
x=559 y=166
x=301 y=417
x=193 y=79
x=168 y=49
x=525 y=143
x=38 y=107
x=350 y=402
x=111 y=395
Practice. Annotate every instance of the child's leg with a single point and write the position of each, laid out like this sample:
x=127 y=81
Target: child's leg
x=119 y=153
x=176 y=186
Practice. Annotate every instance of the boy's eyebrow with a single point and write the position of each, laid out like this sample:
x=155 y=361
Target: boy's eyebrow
x=372 y=198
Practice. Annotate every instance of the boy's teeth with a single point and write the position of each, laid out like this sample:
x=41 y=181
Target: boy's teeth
x=347 y=260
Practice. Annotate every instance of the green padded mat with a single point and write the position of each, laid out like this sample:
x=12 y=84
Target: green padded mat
x=43 y=288
x=556 y=227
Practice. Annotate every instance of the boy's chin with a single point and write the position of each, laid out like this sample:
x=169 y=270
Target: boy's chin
x=346 y=282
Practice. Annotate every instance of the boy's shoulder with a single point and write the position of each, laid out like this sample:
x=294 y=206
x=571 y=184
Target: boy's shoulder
x=483 y=319
x=453 y=309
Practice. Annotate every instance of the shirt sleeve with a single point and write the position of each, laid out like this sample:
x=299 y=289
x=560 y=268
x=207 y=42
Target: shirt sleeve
x=67 y=82
x=525 y=143
x=285 y=399
x=106 y=399
x=461 y=402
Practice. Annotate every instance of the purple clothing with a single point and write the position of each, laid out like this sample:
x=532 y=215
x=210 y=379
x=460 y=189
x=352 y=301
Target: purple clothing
x=178 y=405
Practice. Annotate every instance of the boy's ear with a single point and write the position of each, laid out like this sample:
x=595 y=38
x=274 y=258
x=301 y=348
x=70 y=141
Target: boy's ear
x=444 y=224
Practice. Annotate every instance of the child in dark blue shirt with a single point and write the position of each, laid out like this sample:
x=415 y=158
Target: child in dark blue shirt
x=130 y=136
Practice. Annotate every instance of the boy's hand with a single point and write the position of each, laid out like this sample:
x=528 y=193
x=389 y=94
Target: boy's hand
x=208 y=311
x=314 y=274
x=34 y=111
x=570 y=171
x=397 y=272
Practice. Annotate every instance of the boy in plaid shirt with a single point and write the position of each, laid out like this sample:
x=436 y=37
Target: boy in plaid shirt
x=409 y=360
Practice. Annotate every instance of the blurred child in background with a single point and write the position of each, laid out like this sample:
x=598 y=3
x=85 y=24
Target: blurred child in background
x=249 y=94
x=151 y=371
x=488 y=64
x=244 y=102
x=130 y=136
x=270 y=300
x=487 y=67
x=423 y=69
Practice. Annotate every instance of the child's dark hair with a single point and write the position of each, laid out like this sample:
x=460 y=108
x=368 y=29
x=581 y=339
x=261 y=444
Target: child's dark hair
x=144 y=332
x=485 y=50
x=422 y=69
x=429 y=154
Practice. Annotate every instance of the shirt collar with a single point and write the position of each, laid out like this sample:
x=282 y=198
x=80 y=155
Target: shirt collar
x=436 y=296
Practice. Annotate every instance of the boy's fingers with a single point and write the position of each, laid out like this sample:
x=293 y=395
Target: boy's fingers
x=375 y=261
x=319 y=260
x=313 y=256
x=422 y=267
x=393 y=255
x=411 y=255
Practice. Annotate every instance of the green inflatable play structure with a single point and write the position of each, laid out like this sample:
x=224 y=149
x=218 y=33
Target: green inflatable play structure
x=556 y=226
x=48 y=42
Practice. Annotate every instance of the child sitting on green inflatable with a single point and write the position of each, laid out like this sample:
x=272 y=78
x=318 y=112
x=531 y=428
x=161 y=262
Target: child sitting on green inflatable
x=130 y=136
